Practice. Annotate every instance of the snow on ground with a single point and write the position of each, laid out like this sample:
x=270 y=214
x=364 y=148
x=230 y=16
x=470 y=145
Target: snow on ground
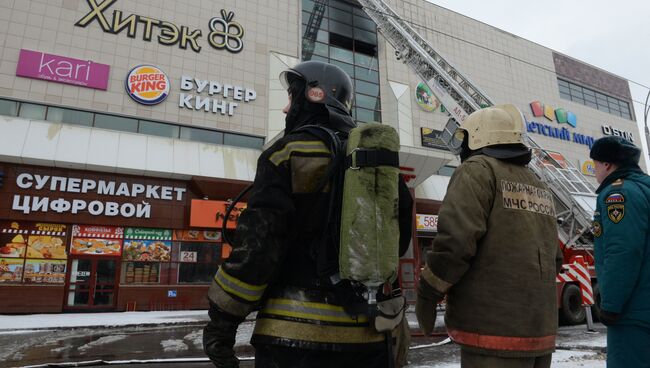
x=9 y=323
x=101 y=341
x=575 y=359
x=561 y=359
x=196 y=338
x=173 y=345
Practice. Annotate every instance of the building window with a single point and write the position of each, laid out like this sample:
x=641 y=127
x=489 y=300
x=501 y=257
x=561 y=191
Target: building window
x=116 y=123
x=159 y=129
x=242 y=141
x=597 y=100
x=32 y=111
x=201 y=135
x=446 y=170
x=341 y=33
x=69 y=116
x=8 y=108
x=198 y=262
x=120 y=123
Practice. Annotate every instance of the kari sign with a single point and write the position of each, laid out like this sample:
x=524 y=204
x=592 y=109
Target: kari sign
x=61 y=69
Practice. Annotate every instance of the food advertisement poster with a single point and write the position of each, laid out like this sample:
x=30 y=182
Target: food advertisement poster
x=46 y=246
x=147 y=250
x=13 y=239
x=47 y=241
x=197 y=235
x=11 y=269
x=33 y=240
x=45 y=271
x=97 y=240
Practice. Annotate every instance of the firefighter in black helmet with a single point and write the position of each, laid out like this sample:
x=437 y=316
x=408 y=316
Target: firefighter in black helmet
x=303 y=320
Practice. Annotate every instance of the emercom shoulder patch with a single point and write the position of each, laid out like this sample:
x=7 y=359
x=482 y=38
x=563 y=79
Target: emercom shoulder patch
x=615 y=198
x=519 y=196
x=597 y=229
x=616 y=212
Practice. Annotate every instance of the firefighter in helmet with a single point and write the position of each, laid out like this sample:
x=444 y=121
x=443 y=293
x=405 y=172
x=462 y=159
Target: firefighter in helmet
x=496 y=254
x=303 y=320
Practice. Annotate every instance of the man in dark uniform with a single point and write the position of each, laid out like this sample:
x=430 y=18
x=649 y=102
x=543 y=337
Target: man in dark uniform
x=496 y=254
x=303 y=320
x=622 y=251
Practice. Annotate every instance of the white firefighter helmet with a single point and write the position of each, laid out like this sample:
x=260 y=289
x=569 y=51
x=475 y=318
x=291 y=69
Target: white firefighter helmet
x=499 y=124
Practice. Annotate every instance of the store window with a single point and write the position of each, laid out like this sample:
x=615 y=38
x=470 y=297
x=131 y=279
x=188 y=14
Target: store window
x=33 y=253
x=146 y=255
x=199 y=254
x=198 y=262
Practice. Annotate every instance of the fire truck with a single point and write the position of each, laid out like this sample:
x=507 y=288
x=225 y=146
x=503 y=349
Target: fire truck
x=574 y=196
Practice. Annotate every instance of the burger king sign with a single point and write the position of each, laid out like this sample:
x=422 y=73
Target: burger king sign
x=147 y=84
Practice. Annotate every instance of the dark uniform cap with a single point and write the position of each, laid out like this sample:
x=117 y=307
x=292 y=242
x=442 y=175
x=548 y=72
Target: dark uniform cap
x=616 y=150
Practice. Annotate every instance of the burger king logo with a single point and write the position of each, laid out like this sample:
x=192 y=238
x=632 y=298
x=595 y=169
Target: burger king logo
x=147 y=84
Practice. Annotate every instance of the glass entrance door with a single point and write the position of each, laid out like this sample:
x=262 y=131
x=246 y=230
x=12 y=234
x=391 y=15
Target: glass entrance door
x=92 y=283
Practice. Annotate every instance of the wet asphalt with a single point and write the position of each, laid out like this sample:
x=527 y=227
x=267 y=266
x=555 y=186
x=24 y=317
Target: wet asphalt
x=38 y=347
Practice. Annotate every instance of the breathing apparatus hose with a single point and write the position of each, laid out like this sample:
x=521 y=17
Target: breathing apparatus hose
x=232 y=205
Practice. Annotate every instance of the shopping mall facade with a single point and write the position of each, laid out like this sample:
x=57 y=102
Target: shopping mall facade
x=127 y=125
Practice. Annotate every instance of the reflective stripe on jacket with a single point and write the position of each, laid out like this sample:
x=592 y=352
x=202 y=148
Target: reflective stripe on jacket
x=314 y=318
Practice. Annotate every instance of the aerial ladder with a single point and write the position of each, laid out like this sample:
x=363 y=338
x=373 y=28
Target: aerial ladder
x=573 y=195
x=311 y=31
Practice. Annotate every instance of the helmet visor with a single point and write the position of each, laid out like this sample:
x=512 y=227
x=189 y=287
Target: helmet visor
x=287 y=76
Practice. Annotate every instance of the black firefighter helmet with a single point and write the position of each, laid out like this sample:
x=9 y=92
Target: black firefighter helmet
x=325 y=84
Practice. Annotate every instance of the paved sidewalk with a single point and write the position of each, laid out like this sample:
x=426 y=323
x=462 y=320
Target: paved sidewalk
x=90 y=320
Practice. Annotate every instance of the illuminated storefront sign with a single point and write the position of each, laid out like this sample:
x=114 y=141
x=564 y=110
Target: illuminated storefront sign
x=610 y=130
x=213 y=88
x=62 y=69
x=103 y=197
x=538 y=109
x=587 y=168
x=426 y=222
x=224 y=32
x=563 y=116
x=147 y=84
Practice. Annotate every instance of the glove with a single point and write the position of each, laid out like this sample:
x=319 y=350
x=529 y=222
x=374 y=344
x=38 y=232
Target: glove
x=425 y=306
x=219 y=338
x=609 y=318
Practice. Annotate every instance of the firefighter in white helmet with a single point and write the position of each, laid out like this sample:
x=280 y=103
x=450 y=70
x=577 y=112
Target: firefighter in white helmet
x=496 y=254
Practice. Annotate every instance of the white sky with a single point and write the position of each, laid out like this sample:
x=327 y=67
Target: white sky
x=614 y=36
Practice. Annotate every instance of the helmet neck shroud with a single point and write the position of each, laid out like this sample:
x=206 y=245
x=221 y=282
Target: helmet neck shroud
x=321 y=93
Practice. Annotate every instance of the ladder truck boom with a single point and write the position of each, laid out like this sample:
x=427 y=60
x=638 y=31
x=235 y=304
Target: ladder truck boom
x=573 y=194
